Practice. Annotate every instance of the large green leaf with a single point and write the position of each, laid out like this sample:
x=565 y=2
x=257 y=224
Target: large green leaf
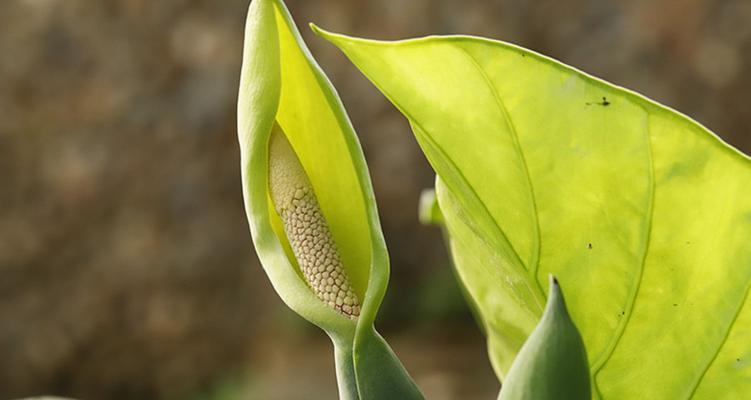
x=544 y=169
x=289 y=111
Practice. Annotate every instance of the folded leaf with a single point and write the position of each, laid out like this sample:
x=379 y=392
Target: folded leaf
x=644 y=212
x=309 y=200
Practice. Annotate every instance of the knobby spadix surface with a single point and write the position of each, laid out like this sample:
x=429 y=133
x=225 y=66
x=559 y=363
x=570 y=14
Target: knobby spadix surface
x=307 y=230
x=310 y=203
x=544 y=169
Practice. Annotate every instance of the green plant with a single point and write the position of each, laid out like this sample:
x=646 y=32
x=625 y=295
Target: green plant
x=643 y=213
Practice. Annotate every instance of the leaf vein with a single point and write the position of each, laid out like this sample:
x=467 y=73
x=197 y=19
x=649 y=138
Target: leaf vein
x=419 y=130
x=721 y=344
x=631 y=300
x=535 y=262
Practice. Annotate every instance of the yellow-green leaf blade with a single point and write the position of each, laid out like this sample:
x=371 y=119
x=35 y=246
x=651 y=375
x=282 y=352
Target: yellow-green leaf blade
x=642 y=210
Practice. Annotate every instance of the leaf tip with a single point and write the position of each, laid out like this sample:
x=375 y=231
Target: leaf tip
x=320 y=31
x=336 y=38
x=554 y=291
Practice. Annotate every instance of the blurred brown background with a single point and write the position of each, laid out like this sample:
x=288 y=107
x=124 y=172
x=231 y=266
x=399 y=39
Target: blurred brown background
x=126 y=267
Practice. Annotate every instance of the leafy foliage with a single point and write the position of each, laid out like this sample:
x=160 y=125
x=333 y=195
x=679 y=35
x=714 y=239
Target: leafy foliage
x=544 y=169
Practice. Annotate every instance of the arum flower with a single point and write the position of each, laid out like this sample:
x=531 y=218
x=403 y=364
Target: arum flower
x=310 y=202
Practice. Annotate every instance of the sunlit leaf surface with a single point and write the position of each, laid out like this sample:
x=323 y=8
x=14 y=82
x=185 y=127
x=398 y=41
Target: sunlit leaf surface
x=543 y=169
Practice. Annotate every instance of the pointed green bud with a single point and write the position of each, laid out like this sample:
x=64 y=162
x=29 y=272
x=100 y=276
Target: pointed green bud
x=552 y=364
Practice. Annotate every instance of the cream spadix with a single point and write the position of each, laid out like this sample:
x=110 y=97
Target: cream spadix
x=306 y=228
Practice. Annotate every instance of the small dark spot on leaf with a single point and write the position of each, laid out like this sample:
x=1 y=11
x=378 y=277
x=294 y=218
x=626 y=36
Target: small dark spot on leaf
x=524 y=55
x=589 y=246
x=623 y=313
x=603 y=103
x=675 y=305
x=737 y=360
x=688 y=242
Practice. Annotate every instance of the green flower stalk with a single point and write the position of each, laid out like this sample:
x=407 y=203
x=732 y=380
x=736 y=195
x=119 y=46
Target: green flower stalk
x=310 y=203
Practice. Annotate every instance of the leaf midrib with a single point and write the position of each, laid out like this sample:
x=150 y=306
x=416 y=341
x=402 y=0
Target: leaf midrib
x=535 y=262
x=721 y=344
x=539 y=295
x=631 y=300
